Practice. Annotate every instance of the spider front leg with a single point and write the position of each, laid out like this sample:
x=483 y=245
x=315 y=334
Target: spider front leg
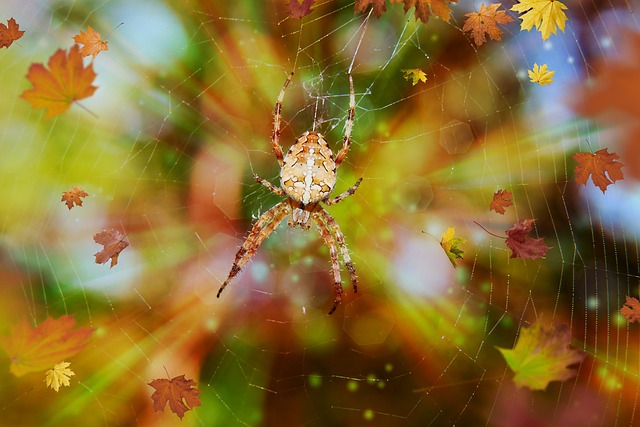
x=277 y=116
x=265 y=225
x=335 y=264
x=348 y=126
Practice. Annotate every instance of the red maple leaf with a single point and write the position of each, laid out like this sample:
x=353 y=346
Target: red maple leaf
x=9 y=33
x=113 y=242
x=299 y=10
x=72 y=196
x=379 y=6
x=92 y=42
x=173 y=392
x=501 y=200
x=37 y=349
x=597 y=165
x=631 y=309
x=485 y=22
x=66 y=81
x=523 y=246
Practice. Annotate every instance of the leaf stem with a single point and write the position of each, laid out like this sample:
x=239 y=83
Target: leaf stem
x=488 y=232
x=86 y=109
x=165 y=369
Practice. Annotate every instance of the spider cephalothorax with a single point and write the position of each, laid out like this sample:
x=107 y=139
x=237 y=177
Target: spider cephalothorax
x=307 y=177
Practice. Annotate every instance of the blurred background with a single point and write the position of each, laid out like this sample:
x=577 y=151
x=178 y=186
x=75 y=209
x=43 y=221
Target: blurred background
x=184 y=114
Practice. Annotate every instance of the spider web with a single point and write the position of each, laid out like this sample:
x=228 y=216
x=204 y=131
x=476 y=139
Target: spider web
x=185 y=104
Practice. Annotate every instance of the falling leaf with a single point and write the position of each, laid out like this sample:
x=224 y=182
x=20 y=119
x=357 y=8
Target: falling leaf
x=92 y=42
x=415 y=74
x=485 y=22
x=596 y=165
x=36 y=349
x=72 y=196
x=523 y=246
x=59 y=375
x=66 y=81
x=631 y=309
x=501 y=200
x=450 y=245
x=113 y=243
x=546 y=15
x=541 y=74
x=379 y=6
x=9 y=33
x=424 y=8
x=174 y=391
x=542 y=355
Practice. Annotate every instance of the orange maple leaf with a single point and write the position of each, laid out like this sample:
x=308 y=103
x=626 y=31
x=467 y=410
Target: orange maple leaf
x=38 y=349
x=73 y=196
x=173 y=392
x=65 y=82
x=379 y=6
x=485 y=22
x=424 y=8
x=9 y=33
x=631 y=309
x=597 y=165
x=501 y=200
x=92 y=42
x=113 y=243
x=523 y=246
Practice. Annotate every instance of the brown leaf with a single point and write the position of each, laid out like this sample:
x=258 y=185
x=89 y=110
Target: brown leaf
x=9 y=33
x=485 y=22
x=596 y=165
x=66 y=81
x=37 y=349
x=379 y=6
x=631 y=309
x=113 y=243
x=92 y=42
x=501 y=200
x=73 y=196
x=299 y=10
x=523 y=246
x=424 y=8
x=174 y=391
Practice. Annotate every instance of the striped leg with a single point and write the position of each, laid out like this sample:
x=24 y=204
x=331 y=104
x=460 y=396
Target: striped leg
x=343 y=195
x=277 y=116
x=335 y=264
x=332 y=224
x=348 y=125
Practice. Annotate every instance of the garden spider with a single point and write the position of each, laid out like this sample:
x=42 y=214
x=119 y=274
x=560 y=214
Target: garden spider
x=307 y=176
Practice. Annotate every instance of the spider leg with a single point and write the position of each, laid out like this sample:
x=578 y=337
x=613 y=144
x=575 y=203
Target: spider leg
x=343 y=195
x=348 y=125
x=277 y=116
x=265 y=225
x=270 y=186
x=335 y=264
x=344 y=251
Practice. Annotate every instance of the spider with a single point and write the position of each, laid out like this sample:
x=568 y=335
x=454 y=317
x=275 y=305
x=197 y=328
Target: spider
x=307 y=176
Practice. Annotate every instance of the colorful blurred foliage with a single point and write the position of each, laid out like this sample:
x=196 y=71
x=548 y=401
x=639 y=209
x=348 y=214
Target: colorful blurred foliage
x=184 y=104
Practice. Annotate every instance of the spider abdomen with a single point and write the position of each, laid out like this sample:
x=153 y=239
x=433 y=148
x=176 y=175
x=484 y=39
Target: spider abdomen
x=308 y=172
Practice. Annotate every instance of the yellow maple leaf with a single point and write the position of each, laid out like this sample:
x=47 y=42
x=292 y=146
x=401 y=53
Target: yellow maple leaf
x=541 y=74
x=415 y=74
x=546 y=15
x=450 y=245
x=59 y=375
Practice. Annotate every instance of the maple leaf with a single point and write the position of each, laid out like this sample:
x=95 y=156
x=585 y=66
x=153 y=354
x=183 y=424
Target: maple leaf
x=36 y=349
x=424 y=8
x=546 y=15
x=174 y=391
x=415 y=74
x=66 y=81
x=541 y=74
x=485 y=22
x=631 y=309
x=92 y=42
x=59 y=375
x=113 y=243
x=9 y=33
x=379 y=6
x=73 y=196
x=542 y=355
x=450 y=245
x=501 y=200
x=597 y=165
x=522 y=246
